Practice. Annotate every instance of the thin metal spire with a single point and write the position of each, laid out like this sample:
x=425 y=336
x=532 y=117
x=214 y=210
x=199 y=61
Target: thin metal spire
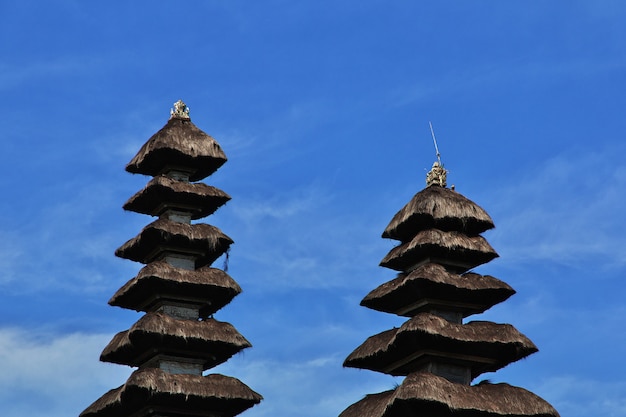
x=432 y=132
x=437 y=174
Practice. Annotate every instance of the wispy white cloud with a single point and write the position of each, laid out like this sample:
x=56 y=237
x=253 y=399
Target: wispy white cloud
x=68 y=244
x=13 y=75
x=10 y=257
x=317 y=386
x=61 y=371
x=476 y=80
x=568 y=211
x=303 y=239
x=280 y=206
x=579 y=396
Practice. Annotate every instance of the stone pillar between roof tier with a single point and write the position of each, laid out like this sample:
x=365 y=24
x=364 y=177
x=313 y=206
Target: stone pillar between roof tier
x=173 y=365
x=177 y=216
x=453 y=373
x=181 y=261
x=449 y=315
x=176 y=174
x=180 y=312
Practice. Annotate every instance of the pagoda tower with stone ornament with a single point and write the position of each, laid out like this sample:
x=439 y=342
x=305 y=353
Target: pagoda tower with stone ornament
x=438 y=353
x=177 y=339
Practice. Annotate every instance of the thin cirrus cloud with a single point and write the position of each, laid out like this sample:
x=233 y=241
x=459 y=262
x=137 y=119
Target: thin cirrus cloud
x=61 y=371
x=497 y=75
x=307 y=388
x=578 y=396
x=568 y=211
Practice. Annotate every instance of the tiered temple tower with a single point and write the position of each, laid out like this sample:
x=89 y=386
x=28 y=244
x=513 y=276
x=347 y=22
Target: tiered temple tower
x=178 y=338
x=439 y=355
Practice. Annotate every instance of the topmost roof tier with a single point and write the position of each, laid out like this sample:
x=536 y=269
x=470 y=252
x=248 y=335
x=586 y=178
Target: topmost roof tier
x=179 y=146
x=439 y=208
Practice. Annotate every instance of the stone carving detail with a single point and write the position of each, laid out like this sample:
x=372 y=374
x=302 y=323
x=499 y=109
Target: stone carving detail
x=180 y=110
x=437 y=175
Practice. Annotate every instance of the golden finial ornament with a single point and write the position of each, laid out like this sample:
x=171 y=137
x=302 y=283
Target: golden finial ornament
x=437 y=175
x=180 y=111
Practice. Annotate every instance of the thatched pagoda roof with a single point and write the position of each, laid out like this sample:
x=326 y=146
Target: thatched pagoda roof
x=157 y=333
x=432 y=286
x=426 y=394
x=453 y=248
x=163 y=193
x=440 y=208
x=151 y=392
x=481 y=345
x=209 y=288
x=204 y=241
x=178 y=145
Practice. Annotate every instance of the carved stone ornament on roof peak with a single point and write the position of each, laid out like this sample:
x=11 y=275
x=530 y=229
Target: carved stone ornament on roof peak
x=437 y=175
x=180 y=110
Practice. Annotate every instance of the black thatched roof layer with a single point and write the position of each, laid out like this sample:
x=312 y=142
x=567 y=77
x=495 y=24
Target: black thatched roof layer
x=424 y=394
x=154 y=389
x=450 y=247
x=432 y=286
x=162 y=192
x=179 y=144
x=204 y=241
x=209 y=288
x=157 y=333
x=440 y=208
x=481 y=345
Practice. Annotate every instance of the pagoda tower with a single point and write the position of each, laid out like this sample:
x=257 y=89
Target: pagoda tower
x=177 y=339
x=438 y=354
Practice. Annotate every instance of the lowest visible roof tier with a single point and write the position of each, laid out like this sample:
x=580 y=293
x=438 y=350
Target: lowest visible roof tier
x=204 y=242
x=434 y=245
x=425 y=394
x=440 y=208
x=208 y=288
x=157 y=333
x=180 y=146
x=483 y=346
x=152 y=392
x=163 y=193
x=431 y=286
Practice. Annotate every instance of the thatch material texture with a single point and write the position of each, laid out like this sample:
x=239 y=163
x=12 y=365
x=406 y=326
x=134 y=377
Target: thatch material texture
x=483 y=346
x=432 y=286
x=157 y=333
x=204 y=241
x=425 y=394
x=440 y=208
x=153 y=389
x=163 y=193
x=180 y=145
x=372 y=405
x=208 y=288
x=453 y=248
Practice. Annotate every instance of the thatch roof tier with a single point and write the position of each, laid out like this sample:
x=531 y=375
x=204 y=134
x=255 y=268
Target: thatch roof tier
x=152 y=392
x=179 y=145
x=203 y=241
x=372 y=405
x=440 y=208
x=431 y=286
x=483 y=346
x=158 y=282
x=429 y=395
x=163 y=193
x=448 y=248
x=157 y=333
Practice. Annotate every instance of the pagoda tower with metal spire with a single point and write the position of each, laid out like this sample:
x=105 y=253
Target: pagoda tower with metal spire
x=177 y=339
x=438 y=353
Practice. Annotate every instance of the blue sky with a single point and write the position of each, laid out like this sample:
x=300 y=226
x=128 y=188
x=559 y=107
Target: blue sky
x=322 y=108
